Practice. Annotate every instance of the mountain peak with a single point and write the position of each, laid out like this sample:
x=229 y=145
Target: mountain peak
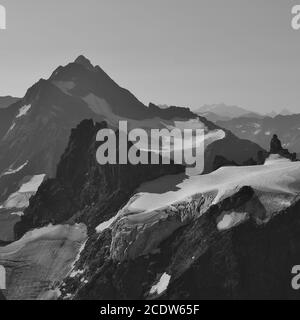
x=82 y=60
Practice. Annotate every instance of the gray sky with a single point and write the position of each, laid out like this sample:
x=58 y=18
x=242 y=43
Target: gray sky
x=180 y=52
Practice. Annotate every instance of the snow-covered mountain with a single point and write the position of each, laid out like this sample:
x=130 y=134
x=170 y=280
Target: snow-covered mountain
x=35 y=130
x=154 y=232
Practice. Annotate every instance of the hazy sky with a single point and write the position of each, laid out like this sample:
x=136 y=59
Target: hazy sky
x=180 y=52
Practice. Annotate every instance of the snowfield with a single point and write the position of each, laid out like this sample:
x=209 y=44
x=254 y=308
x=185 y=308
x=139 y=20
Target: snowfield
x=51 y=232
x=12 y=171
x=150 y=217
x=276 y=175
x=40 y=260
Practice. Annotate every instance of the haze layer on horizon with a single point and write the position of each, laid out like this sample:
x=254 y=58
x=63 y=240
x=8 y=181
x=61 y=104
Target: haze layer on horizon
x=187 y=53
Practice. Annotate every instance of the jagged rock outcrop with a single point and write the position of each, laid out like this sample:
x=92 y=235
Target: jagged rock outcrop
x=82 y=189
x=276 y=148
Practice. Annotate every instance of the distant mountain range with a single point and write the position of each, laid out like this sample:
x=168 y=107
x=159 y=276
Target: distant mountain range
x=223 y=112
x=260 y=130
x=7 y=101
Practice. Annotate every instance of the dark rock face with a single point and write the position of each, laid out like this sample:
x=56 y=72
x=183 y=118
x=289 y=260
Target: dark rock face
x=247 y=262
x=220 y=161
x=6 y=118
x=2 y=297
x=82 y=189
x=232 y=151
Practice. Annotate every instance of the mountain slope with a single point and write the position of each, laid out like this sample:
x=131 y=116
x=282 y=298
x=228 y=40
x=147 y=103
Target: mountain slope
x=34 y=131
x=7 y=101
x=211 y=236
x=41 y=258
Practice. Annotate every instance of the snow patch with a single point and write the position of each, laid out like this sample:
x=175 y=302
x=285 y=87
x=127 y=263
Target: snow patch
x=23 y=111
x=12 y=171
x=100 y=106
x=232 y=220
x=20 y=213
x=65 y=86
x=257 y=132
x=11 y=127
x=79 y=254
x=20 y=199
x=9 y=130
x=107 y=224
x=76 y=273
x=162 y=285
x=33 y=184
